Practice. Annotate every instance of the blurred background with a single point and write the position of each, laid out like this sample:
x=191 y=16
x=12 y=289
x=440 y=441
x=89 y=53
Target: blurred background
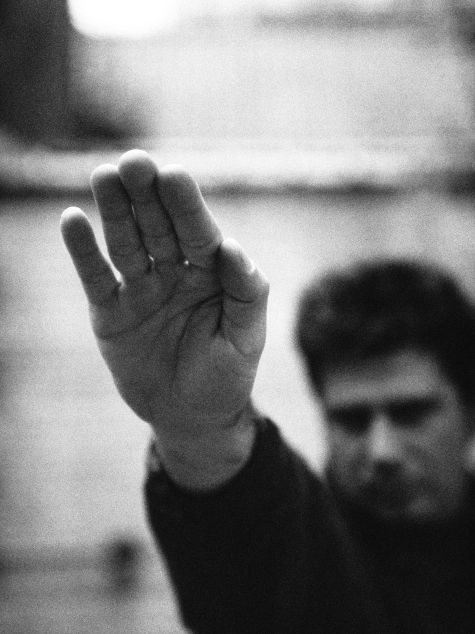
x=321 y=132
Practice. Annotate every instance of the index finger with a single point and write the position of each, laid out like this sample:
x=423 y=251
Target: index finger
x=93 y=269
x=198 y=234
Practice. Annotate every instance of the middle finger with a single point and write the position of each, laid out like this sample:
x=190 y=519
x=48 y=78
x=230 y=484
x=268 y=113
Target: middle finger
x=139 y=175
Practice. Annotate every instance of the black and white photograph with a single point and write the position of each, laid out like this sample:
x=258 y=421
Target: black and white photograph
x=237 y=304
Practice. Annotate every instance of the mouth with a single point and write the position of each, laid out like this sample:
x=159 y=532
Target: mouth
x=387 y=495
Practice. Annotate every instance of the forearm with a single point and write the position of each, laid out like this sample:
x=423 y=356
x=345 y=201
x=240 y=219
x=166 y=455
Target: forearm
x=239 y=556
x=205 y=458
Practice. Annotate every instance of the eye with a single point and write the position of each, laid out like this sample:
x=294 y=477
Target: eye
x=355 y=420
x=413 y=412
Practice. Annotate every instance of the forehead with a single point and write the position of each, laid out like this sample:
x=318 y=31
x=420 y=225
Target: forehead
x=406 y=374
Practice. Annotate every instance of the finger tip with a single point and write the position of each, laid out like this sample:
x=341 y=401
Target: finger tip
x=236 y=257
x=231 y=244
x=136 y=164
x=102 y=173
x=231 y=248
x=72 y=211
x=73 y=221
x=69 y=215
x=172 y=173
x=135 y=154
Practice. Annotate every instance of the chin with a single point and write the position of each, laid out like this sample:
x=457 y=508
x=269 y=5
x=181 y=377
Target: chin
x=418 y=512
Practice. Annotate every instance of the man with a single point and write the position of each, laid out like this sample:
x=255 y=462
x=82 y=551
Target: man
x=254 y=540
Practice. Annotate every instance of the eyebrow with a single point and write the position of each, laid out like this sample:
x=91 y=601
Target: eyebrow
x=412 y=399
x=428 y=401
x=414 y=403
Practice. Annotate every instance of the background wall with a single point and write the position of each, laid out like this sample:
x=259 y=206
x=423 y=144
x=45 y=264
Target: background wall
x=319 y=138
x=271 y=82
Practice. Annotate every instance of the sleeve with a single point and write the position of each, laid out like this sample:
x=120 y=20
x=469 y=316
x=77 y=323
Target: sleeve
x=228 y=550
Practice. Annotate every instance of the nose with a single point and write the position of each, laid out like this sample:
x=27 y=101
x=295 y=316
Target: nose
x=383 y=445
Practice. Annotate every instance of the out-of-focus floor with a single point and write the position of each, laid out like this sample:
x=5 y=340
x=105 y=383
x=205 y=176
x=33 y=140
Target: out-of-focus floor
x=79 y=601
x=72 y=455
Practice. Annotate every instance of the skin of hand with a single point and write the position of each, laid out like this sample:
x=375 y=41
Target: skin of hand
x=182 y=326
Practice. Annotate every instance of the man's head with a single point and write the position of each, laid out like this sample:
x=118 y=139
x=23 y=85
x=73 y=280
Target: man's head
x=390 y=350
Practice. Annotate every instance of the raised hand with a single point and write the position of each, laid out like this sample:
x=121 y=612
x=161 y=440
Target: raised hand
x=183 y=327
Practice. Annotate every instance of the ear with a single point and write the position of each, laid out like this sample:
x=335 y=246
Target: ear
x=471 y=438
x=471 y=456
x=470 y=408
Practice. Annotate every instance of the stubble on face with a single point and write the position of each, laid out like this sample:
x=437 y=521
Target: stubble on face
x=398 y=435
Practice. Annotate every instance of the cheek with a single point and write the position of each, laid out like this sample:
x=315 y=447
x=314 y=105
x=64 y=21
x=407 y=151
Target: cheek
x=345 y=452
x=438 y=453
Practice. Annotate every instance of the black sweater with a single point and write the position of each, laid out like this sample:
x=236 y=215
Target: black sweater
x=273 y=551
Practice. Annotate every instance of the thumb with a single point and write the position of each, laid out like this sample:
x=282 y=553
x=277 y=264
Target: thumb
x=245 y=292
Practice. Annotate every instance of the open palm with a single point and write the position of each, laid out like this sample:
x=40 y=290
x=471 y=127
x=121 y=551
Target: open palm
x=183 y=328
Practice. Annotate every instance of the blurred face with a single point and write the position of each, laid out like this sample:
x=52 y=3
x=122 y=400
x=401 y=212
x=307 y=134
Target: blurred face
x=398 y=435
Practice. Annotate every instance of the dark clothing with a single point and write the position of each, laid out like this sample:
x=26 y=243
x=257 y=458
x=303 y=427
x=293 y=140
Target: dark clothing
x=275 y=551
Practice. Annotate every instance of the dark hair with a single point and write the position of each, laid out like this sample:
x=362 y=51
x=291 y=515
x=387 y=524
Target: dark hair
x=380 y=307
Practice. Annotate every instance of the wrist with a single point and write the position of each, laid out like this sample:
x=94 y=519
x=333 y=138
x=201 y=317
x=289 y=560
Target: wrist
x=205 y=457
